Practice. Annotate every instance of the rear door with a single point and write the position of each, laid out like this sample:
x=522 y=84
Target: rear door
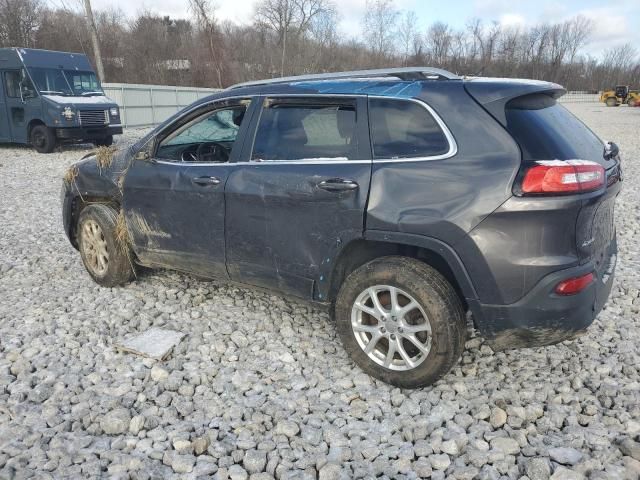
x=300 y=193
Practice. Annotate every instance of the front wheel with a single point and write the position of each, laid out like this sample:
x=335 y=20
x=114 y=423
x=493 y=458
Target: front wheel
x=43 y=139
x=106 y=259
x=611 y=102
x=400 y=321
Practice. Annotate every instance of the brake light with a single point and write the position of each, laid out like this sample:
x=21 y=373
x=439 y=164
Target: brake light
x=574 y=285
x=563 y=176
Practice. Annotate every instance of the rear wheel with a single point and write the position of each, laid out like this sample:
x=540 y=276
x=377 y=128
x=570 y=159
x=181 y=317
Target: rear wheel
x=400 y=321
x=104 y=142
x=632 y=102
x=108 y=261
x=43 y=139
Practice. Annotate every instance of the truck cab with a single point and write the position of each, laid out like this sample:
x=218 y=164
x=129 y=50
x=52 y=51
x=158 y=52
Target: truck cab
x=48 y=98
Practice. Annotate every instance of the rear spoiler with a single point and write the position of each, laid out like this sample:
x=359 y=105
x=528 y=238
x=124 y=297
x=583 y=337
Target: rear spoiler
x=494 y=93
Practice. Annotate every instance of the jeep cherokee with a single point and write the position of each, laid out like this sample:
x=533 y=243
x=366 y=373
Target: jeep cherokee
x=400 y=198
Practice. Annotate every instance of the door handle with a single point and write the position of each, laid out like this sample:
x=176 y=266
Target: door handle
x=338 y=185
x=204 y=181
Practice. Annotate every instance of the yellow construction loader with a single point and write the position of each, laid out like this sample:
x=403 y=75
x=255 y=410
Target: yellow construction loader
x=621 y=94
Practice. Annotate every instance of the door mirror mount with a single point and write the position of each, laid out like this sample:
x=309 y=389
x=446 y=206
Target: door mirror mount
x=142 y=155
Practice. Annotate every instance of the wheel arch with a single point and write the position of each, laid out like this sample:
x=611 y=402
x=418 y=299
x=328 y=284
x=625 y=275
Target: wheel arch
x=75 y=207
x=33 y=123
x=433 y=252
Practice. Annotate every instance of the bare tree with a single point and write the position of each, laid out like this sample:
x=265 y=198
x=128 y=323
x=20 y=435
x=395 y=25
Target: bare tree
x=379 y=29
x=301 y=36
x=438 y=40
x=290 y=18
x=205 y=17
x=95 y=42
x=19 y=21
x=407 y=33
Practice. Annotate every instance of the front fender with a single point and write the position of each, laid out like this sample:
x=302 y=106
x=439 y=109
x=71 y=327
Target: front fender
x=86 y=182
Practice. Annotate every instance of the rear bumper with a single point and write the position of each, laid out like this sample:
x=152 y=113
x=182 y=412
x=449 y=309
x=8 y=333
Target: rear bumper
x=87 y=133
x=544 y=318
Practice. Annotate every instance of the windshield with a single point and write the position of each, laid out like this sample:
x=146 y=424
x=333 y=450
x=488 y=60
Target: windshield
x=56 y=81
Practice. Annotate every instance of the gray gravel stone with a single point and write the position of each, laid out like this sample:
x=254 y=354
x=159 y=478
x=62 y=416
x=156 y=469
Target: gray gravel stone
x=288 y=428
x=507 y=446
x=254 y=461
x=440 y=461
x=330 y=471
x=498 y=417
x=563 y=473
x=538 y=468
x=565 y=455
x=116 y=421
x=630 y=447
x=183 y=463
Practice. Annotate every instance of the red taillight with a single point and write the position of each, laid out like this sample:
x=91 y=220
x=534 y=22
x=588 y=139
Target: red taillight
x=574 y=285
x=563 y=176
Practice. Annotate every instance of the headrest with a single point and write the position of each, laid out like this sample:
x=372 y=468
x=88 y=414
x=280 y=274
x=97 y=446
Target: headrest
x=290 y=126
x=346 y=122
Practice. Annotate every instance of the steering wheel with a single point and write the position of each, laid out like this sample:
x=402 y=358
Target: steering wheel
x=189 y=154
x=212 y=152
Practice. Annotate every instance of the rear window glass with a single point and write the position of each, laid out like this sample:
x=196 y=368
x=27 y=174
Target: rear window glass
x=296 y=132
x=546 y=130
x=404 y=129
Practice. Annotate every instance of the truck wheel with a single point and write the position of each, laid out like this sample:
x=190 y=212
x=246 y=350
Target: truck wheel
x=108 y=262
x=632 y=102
x=611 y=102
x=400 y=321
x=43 y=139
x=104 y=142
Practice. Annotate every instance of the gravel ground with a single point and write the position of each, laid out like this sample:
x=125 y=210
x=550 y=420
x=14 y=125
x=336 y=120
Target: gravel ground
x=261 y=387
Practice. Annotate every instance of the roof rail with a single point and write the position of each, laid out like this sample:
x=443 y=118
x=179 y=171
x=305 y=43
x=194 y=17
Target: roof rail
x=403 y=73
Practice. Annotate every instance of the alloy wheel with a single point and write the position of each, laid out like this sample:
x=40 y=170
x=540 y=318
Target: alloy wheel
x=391 y=327
x=95 y=248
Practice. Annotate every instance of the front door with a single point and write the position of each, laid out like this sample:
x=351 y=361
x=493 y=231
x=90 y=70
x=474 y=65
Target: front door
x=22 y=103
x=174 y=202
x=5 y=134
x=299 y=194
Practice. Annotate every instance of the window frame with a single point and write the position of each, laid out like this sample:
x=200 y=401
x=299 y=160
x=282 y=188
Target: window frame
x=359 y=102
x=200 y=111
x=453 y=146
x=6 y=84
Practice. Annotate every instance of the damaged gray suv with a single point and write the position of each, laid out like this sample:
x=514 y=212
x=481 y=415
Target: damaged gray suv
x=400 y=198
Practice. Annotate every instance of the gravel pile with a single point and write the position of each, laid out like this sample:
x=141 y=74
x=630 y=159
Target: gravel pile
x=261 y=387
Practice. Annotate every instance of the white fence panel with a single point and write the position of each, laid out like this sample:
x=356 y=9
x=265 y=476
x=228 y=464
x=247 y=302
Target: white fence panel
x=149 y=105
x=580 y=97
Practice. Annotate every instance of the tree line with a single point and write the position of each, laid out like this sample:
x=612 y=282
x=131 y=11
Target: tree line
x=289 y=37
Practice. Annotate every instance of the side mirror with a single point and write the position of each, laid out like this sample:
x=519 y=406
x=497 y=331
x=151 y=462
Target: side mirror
x=611 y=150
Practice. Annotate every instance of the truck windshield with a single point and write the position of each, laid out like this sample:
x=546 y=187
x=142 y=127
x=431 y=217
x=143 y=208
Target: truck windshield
x=56 y=81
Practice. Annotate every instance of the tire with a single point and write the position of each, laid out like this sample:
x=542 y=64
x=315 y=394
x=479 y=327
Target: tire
x=43 y=139
x=438 y=307
x=108 y=263
x=632 y=102
x=104 y=142
x=611 y=102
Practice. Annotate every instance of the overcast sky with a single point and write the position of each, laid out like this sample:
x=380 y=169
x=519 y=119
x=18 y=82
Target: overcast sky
x=616 y=21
